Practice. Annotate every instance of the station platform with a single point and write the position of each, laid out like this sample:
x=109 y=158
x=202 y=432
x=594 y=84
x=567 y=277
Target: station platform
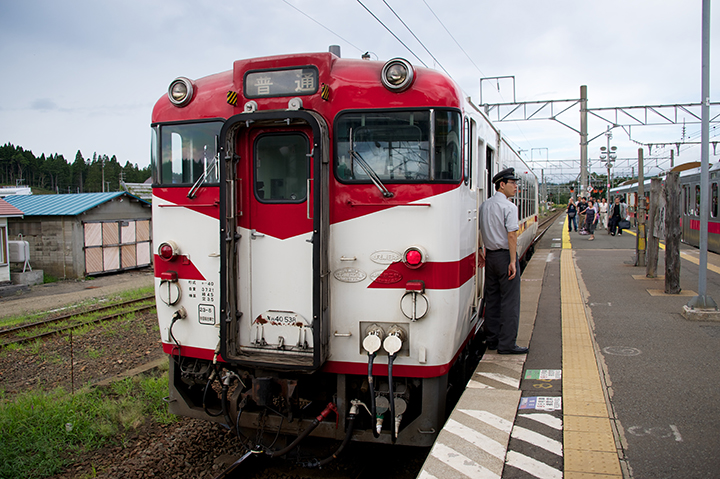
x=617 y=383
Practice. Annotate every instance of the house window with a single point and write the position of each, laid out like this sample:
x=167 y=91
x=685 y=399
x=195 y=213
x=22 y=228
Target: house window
x=3 y=245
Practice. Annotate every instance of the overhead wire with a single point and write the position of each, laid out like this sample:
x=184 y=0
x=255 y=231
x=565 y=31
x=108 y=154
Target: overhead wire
x=416 y=38
x=392 y=33
x=326 y=28
x=451 y=36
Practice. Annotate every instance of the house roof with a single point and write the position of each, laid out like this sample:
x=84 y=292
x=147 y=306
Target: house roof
x=8 y=210
x=62 y=205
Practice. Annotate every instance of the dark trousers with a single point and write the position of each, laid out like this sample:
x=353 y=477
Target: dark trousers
x=502 y=300
x=614 y=223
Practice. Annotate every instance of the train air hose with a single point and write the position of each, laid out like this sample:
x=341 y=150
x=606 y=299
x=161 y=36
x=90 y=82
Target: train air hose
x=391 y=358
x=210 y=381
x=373 y=410
x=328 y=409
x=348 y=435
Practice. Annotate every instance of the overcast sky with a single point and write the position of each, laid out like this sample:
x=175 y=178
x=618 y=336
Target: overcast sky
x=84 y=75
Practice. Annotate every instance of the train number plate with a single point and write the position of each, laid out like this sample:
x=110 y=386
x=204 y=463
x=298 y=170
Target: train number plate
x=206 y=314
x=283 y=318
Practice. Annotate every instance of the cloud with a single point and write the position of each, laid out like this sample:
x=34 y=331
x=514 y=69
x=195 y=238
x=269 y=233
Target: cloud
x=43 y=104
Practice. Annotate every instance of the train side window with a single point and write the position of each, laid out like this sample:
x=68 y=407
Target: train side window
x=281 y=168
x=714 y=201
x=686 y=199
x=466 y=150
x=697 y=201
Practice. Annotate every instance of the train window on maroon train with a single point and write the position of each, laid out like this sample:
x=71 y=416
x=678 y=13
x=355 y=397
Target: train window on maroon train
x=281 y=168
x=395 y=146
x=714 y=201
x=188 y=152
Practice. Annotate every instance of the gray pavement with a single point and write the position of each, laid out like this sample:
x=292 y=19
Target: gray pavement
x=660 y=368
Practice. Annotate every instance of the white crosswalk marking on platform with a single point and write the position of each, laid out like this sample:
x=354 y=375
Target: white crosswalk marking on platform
x=532 y=466
x=478 y=385
x=501 y=378
x=426 y=475
x=490 y=419
x=547 y=419
x=476 y=438
x=461 y=463
x=537 y=439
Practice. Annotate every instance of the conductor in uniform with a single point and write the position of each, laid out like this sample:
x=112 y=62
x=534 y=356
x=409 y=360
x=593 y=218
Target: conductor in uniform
x=498 y=222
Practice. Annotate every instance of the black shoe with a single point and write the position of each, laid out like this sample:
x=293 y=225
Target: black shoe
x=492 y=346
x=612 y=234
x=515 y=350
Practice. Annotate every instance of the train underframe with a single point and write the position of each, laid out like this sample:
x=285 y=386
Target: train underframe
x=261 y=405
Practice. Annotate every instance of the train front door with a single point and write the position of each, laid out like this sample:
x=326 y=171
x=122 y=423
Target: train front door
x=274 y=221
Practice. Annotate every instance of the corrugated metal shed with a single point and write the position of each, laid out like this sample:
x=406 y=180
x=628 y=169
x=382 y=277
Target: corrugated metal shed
x=62 y=205
x=8 y=210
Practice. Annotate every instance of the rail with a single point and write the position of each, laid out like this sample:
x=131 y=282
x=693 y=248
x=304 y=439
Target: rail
x=19 y=335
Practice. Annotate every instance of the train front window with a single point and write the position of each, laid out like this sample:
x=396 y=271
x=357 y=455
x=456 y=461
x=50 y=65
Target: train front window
x=395 y=146
x=281 y=168
x=187 y=152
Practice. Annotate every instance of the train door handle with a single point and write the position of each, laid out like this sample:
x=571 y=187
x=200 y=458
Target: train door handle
x=254 y=234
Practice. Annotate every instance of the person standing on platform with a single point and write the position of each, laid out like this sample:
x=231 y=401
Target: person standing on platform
x=498 y=223
x=618 y=212
x=582 y=206
x=572 y=215
x=603 y=214
x=591 y=219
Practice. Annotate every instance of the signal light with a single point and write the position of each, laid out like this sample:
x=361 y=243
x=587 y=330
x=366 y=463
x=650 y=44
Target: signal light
x=414 y=257
x=168 y=251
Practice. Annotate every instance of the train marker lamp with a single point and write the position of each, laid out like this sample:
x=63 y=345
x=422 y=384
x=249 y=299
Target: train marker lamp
x=397 y=75
x=414 y=257
x=168 y=251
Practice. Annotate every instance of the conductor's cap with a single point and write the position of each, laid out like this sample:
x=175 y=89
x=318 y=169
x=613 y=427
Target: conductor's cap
x=506 y=174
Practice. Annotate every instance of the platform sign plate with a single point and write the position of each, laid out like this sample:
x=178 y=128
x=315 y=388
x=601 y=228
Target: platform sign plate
x=546 y=403
x=543 y=374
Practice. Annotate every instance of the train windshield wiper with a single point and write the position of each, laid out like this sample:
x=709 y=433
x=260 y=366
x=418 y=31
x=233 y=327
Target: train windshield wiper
x=370 y=172
x=204 y=176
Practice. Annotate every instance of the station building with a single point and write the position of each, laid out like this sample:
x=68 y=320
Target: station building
x=84 y=234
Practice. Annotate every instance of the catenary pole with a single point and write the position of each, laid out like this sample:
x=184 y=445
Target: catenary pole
x=702 y=300
x=583 y=141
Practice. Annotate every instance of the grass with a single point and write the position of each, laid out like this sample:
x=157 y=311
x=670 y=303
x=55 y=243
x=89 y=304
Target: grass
x=40 y=433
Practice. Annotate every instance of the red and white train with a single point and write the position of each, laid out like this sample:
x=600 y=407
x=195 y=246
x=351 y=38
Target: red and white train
x=316 y=227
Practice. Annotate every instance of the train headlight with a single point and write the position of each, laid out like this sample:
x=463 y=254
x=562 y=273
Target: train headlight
x=397 y=75
x=414 y=257
x=180 y=91
x=168 y=250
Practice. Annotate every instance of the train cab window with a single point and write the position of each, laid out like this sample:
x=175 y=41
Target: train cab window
x=714 y=200
x=187 y=152
x=281 y=168
x=395 y=146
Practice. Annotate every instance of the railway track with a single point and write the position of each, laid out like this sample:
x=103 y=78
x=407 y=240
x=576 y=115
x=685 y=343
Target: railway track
x=48 y=327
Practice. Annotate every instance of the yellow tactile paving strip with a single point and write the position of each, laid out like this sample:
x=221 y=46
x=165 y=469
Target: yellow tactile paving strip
x=588 y=442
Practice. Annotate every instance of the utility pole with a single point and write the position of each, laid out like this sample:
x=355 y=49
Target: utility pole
x=703 y=301
x=583 y=140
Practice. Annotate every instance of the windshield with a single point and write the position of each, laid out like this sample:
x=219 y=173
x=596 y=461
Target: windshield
x=187 y=152
x=395 y=146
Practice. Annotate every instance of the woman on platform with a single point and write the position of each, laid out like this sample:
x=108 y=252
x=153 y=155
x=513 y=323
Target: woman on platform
x=591 y=219
x=572 y=215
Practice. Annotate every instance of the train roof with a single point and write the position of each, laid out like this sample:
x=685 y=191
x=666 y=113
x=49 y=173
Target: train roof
x=686 y=170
